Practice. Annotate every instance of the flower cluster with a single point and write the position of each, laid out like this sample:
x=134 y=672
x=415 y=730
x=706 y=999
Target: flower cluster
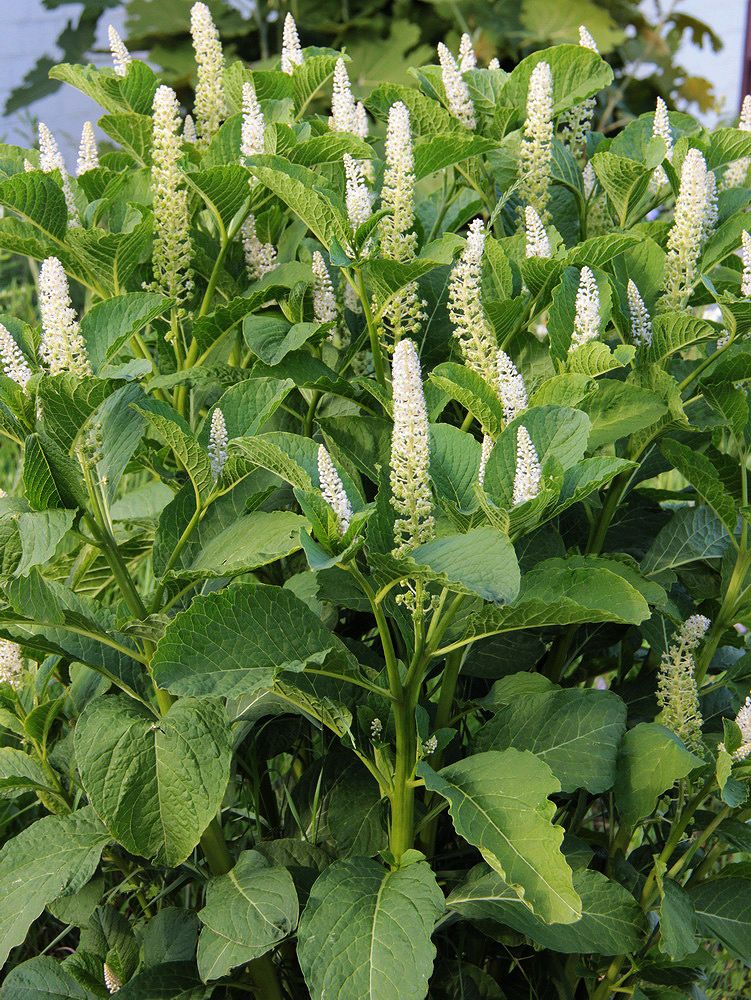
x=641 y=322
x=661 y=130
x=471 y=328
x=746 y=259
x=112 y=981
x=487 y=448
x=62 y=348
x=357 y=197
x=218 y=442
x=537 y=242
x=537 y=144
x=467 y=56
x=324 y=299
x=458 y=100
x=210 y=106
x=677 y=693
x=347 y=115
x=333 y=492
x=410 y=453
x=172 y=246
x=528 y=475
x=743 y=721
x=292 y=54
x=253 y=128
x=189 y=130
x=260 y=258
x=512 y=391
x=737 y=171
x=11 y=663
x=121 y=58
x=587 y=315
x=576 y=123
x=88 y=154
x=689 y=231
x=51 y=159
x=12 y=362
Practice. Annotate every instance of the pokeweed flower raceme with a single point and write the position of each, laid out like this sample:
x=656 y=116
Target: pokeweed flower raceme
x=688 y=233
x=587 y=315
x=528 y=475
x=476 y=339
x=576 y=123
x=260 y=258
x=173 y=251
x=494 y=63
x=743 y=721
x=11 y=663
x=112 y=981
x=357 y=197
x=12 y=362
x=51 y=159
x=218 y=442
x=487 y=447
x=537 y=144
x=189 y=130
x=62 y=348
x=746 y=259
x=661 y=130
x=737 y=171
x=253 y=128
x=344 y=113
x=458 y=100
x=88 y=154
x=210 y=106
x=333 y=492
x=512 y=391
x=537 y=242
x=121 y=58
x=411 y=496
x=712 y=212
x=292 y=54
x=641 y=323
x=677 y=693
x=324 y=299
x=467 y=57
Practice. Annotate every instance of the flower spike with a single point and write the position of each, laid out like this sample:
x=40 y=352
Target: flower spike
x=641 y=322
x=537 y=144
x=457 y=93
x=62 y=348
x=88 y=154
x=476 y=339
x=253 y=124
x=210 y=105
x=677 y=693
x=292 y=54
x=528 y=476
x=218 y=441
x=12 y=362
x=587 y=317
x=121 y=58
x=333 y=490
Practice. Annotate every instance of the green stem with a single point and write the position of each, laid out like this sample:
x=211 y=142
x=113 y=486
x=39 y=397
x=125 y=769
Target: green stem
x=375 y=343
x=443 y=715
x=401 y=835
x=215 y=849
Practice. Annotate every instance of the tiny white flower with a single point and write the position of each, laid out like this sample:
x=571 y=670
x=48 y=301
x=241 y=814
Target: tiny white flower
x=210 y=106
x=586 y=40
x=112 y=981
x=476 y=339
x=467 y=57
x=332 y=490
x=537 y=144
x=253 y=123
x=218 y=442
x=11 y=663
x=376 y=729
x=121 y=58
x=189 y=130
x=344 y=114
x=528 y=475
x=62 y=348
x=537 y=242
x=487 y=447
x=292 y=54
x=411 y=496
x=324 y=299
x=357 y=197
x=494 y=63
x=689 y=231
x=28 y=166
x=12 y=361
x=587 y=316
x=661 y=130
x=430 y=746
x=88 y=154
x=260 y=258
x=457 y=93
x=512 y=391
x=641 y=322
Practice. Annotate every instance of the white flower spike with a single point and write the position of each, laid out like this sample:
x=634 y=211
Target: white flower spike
x=51 y=159
x=411 y=497
x=537 y=144
x=218 y=442
x=121 y=58
x=467 y=57
x=210 y=106
x=737 y=172
x=661 y=130
x=88 y=154
x=12 y=361
x=746 y=258
x=62 y=348
x=112 y=981
x=11 y=663
x=537 y=242
x=324 y=299
x=641 y=322
x=587 y=316
x=528 y=476
x=292 y=54
x=253 y=124
x=677 y=693
x=260 y=258
x=487 y=447
x=173 y=250
x=357 y=197
x=457 y=93
x=344 y=114
x=743 y=721
x=476 y=339
x=189 y=130
x=689 y=231
x=586 y=40
x=512 y=391
x=333 y=492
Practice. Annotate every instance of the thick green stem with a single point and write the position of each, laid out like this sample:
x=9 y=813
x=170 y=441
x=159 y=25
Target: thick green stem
x=215 y=849
x=442 y=719
x=401 y=837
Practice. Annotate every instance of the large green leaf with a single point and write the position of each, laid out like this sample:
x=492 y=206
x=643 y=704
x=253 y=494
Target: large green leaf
x=575 y=731
x=618 y=409
x=693 y=534
x=499 y=802
x=365 y=931
x=611 y=923
x=650 y=761
x=481 y=562
x=37 y=199
x=704 y=477
x=237 y=641
x=578 y=73
x=247 y=912
x=108 y=325
x=723 y=907
x=156 y=784
x=55 y=856
x=43 y=977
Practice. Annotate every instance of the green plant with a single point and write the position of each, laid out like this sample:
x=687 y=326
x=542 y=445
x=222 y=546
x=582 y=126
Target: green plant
x=371 y=595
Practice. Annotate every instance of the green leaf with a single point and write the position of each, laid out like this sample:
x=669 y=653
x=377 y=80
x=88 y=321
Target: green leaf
x=611 y=922
x=43 y=977
x=171 y=981
x=441 y=151
x=672 y=332
x=40 y=533
x=132 y=132
x=55 y=856
x=624 y=181
x=19 y=773
x=247 y=912
x=482 y=562
x=224 y=190
x=677 y=921
x=156 y=784
x=426 y=116
x=272 y=338
x=693 y=534
x=239 y=640
x=170 y=936
x=499 y=803
x=365 y=931
x=650 y=761
x=563 y=310
x=705 y=479
x=108 y=325
x=723 y=908
x=308 y=78
x=578 y=73
x=51 y=478
x=472 y=391
x=576 y=732
x=37 y=199
x=618 y=409
x=192 y=457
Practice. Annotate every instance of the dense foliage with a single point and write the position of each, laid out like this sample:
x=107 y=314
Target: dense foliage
x=374 y=583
